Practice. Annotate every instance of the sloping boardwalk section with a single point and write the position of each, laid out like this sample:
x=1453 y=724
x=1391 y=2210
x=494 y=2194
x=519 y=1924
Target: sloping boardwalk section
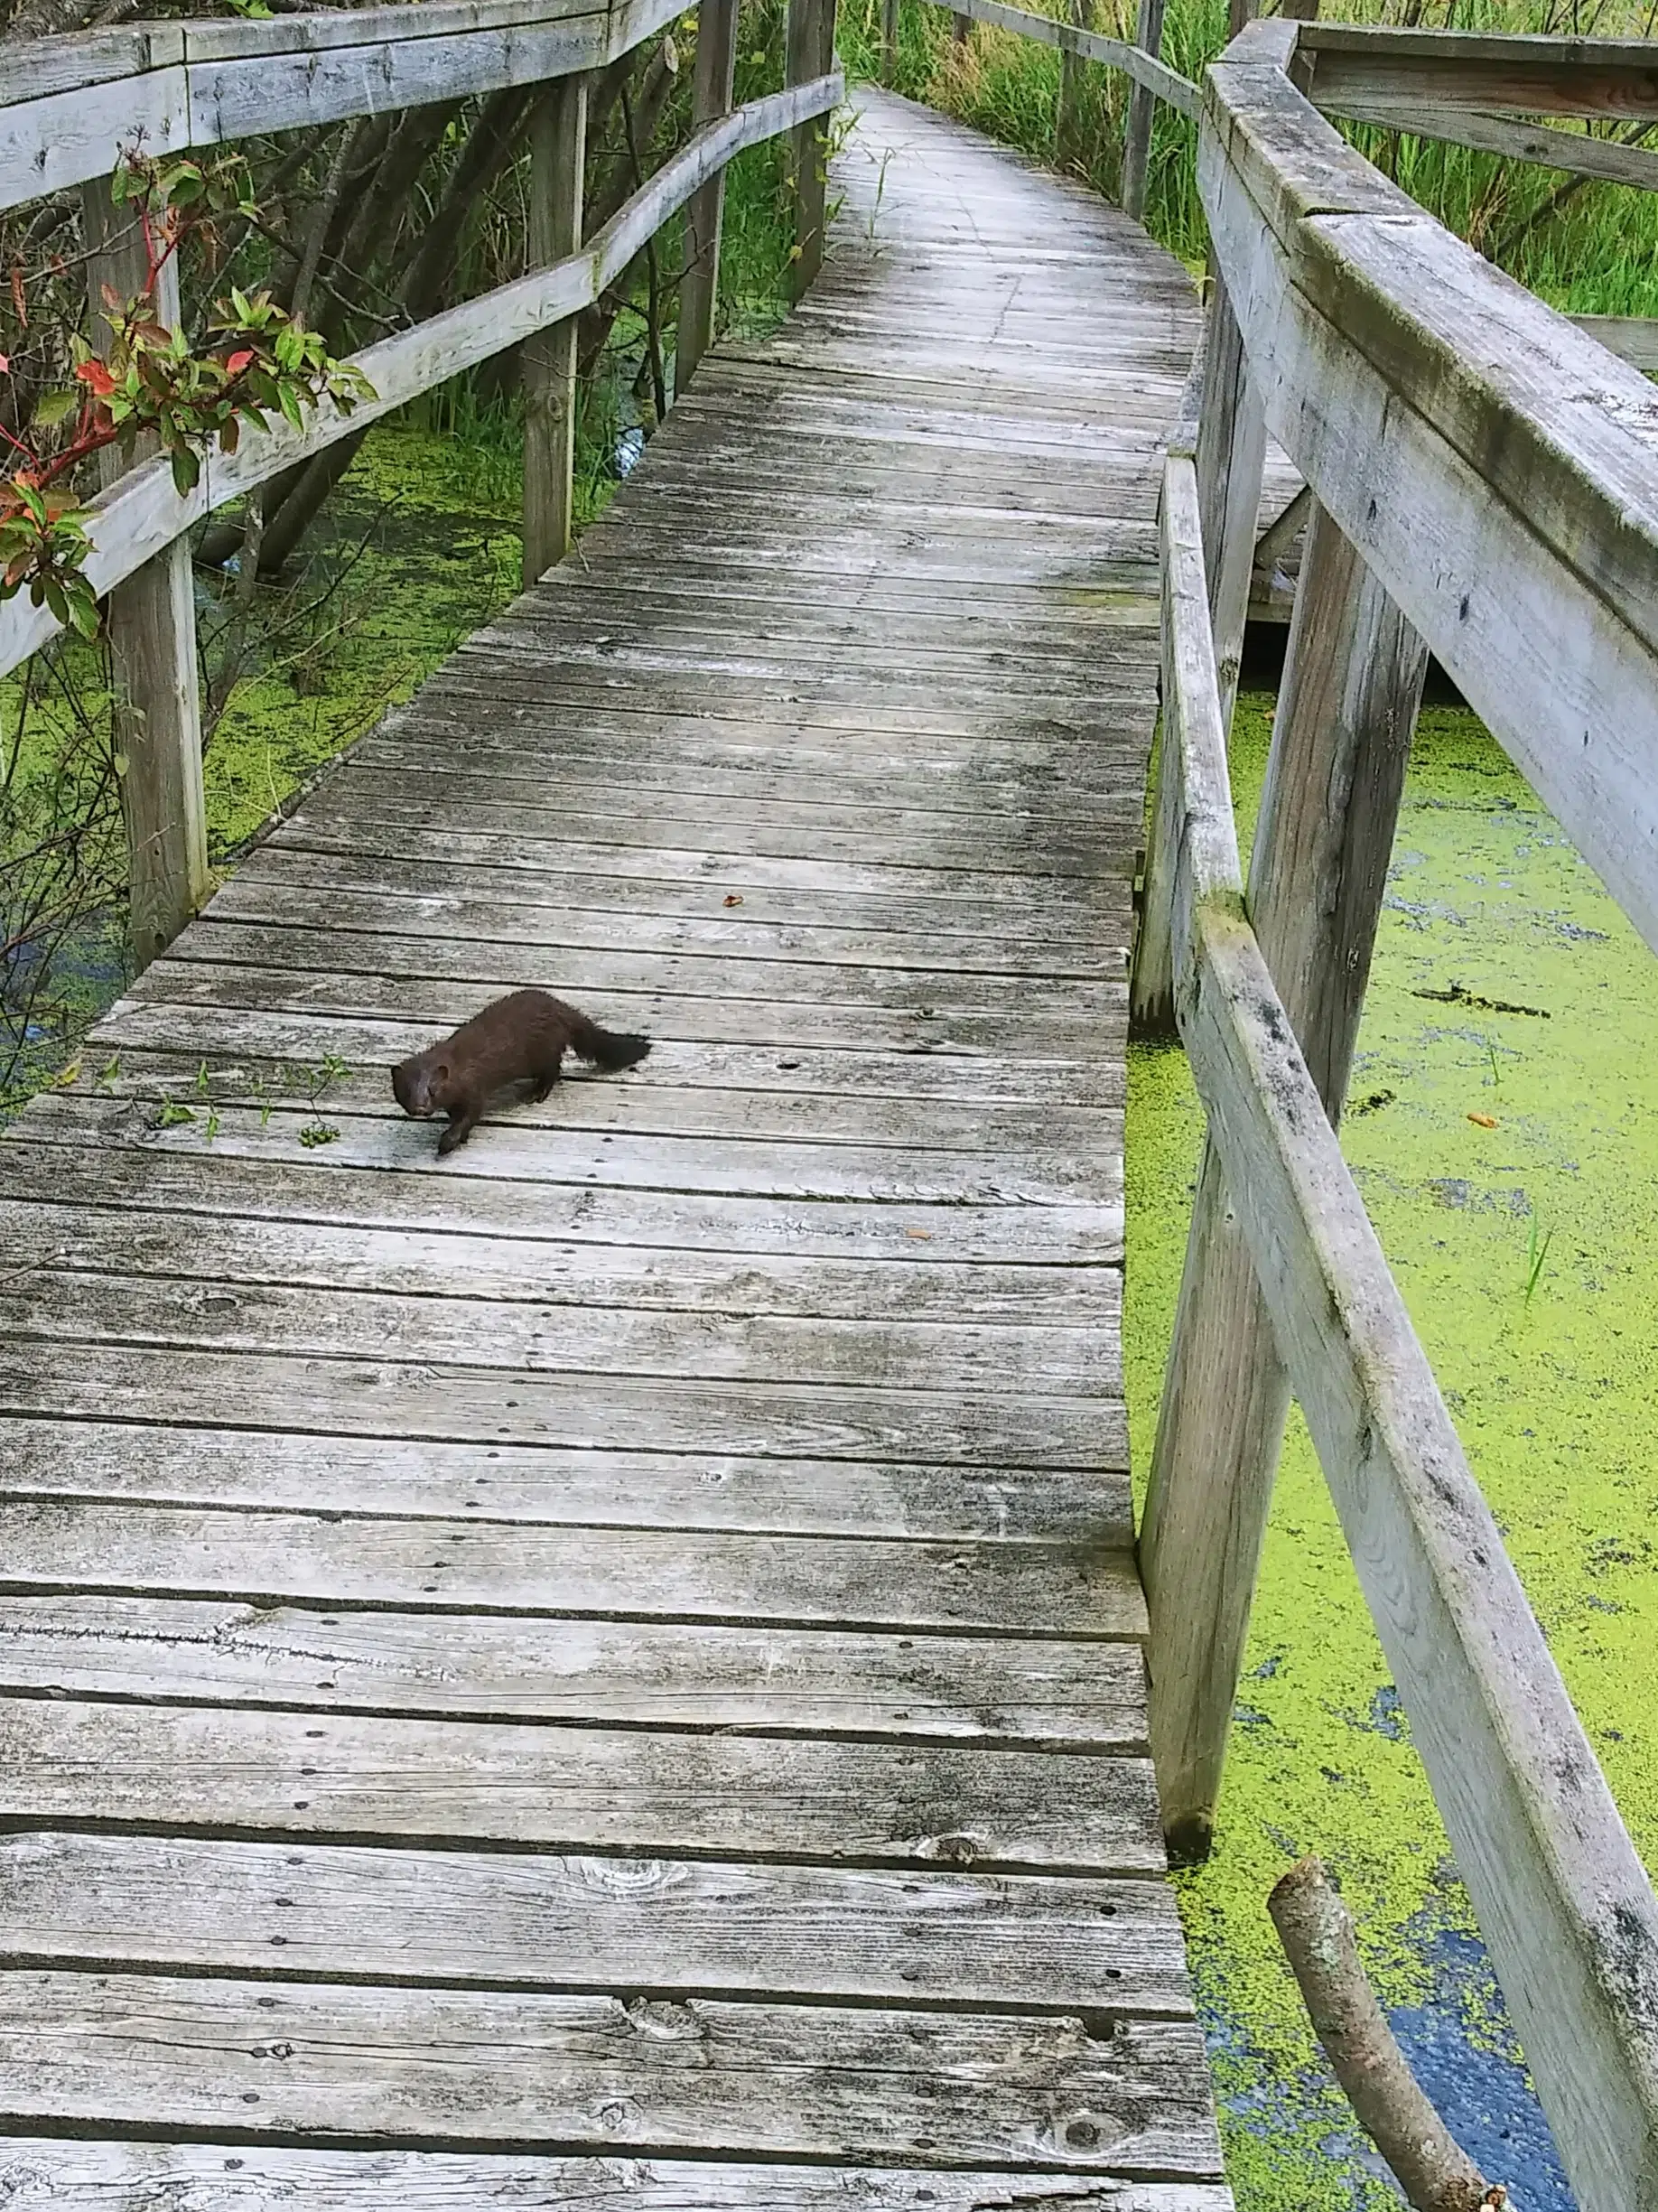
x=607 y=1669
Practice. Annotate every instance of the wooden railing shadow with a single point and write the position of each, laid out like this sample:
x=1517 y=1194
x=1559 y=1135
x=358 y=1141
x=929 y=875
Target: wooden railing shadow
x=74 y=106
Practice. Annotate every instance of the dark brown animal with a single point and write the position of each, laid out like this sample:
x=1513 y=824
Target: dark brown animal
x=519 y=1039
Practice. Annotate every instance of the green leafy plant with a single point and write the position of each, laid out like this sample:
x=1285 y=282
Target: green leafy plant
x=258 y=361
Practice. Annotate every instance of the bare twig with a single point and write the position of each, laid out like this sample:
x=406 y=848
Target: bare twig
x=1316 y=1930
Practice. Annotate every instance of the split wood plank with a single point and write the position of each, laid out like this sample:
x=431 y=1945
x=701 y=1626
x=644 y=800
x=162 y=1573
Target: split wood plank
x=218 y=1250
x=542 y=1482
x=546 y=1922
x=391 y=1398
x=1075 y=1694
x=45 y=2174
x=639 y=1791
x=477 y=1566
x=607 y=2073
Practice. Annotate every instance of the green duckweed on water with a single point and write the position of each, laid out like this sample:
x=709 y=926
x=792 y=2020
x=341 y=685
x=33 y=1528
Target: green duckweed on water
x=419 y=546
x=1523 y=1251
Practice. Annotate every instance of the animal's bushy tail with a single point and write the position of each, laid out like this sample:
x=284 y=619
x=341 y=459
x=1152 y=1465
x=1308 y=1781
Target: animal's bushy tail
x=608 y=1050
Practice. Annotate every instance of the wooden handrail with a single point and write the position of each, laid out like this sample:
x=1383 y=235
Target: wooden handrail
x=1493 y=465
x=1561 y=1894
x=1477 y=72
x=73 y=103
x=141 y=514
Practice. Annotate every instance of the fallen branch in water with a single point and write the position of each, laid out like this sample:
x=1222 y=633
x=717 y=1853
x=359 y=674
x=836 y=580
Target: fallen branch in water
x=1316 y=1929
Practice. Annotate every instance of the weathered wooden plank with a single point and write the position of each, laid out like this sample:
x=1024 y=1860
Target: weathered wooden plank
x=489 y=904
x=544 y=1482
x=1633 y=337
x=789 y=1025
x=391 y=1398
x=209 y=1247
x=546 y=1922
x=634 y=1790
x=1477 y=72
x=663 y=1108
x=516 y=1151
x=228 y=1035
x=521 y=2068
x=505 y=958
x=48 y=2174
x=264 y=1182
x=1073 y=1694
x=804 y=861
x=431 y=1565
x=1571 y=152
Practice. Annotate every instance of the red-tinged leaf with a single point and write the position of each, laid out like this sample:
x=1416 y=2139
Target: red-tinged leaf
x=6 y=364
x=238 y=361
x=97 y=378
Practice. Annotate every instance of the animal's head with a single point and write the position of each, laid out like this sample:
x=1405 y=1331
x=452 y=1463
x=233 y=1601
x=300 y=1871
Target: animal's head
x=418 y=1084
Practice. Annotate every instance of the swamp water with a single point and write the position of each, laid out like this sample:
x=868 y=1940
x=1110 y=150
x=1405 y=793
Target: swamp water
x=1507 y=985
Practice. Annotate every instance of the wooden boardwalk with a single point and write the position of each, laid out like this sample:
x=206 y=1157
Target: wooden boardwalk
x=609 y=1668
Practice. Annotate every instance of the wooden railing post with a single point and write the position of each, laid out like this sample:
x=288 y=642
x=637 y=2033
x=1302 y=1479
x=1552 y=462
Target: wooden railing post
x=1142 y=102
x=1231 y=461
x=1345 y=713
x=558 y=157
x=889 y=41
x=960 y=30
x=1152 y=1012
x=711 y=97
x=810 y=53
x=1068 y=143
x=152 y=629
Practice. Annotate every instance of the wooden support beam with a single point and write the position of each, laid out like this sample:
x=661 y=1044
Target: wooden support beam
x=1067 y=128
x=152 y=627
x=1607 y=159
x=1142 y=100
x=1476 y=72
x=889 y=41
x=1352 y=686
x=1230 y=462
x=711 y=97
x=1152 y=1012
x=810 y=54
x=558 y=158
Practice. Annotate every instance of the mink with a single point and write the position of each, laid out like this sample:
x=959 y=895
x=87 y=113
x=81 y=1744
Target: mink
x=522 y=1038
